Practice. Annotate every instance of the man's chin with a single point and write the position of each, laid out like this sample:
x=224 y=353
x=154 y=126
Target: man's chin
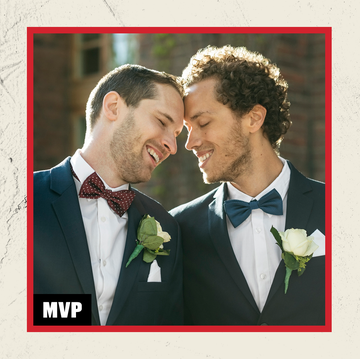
x=208 y=179
x=139 y=179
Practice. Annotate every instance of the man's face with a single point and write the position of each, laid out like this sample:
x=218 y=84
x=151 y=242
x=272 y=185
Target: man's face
x=214 y=135
x=147 y=135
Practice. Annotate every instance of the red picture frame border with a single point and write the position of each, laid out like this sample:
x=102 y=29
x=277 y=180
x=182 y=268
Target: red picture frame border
x=327 y=31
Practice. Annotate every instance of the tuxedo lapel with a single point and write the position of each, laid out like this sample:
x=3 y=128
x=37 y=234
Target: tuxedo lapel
x=299 y=206
x=127 y=278
x=221 y=240
x=68 y=212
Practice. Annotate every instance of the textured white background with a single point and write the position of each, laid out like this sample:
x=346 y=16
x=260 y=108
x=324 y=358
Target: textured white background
x=343 y=16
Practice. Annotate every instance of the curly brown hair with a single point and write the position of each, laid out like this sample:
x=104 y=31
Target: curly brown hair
x=245 y=79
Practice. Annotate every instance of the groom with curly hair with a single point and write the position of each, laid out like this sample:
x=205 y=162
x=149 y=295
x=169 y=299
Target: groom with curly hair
x=236 y=114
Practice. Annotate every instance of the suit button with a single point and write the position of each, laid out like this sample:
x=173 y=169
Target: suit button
x=263 y=324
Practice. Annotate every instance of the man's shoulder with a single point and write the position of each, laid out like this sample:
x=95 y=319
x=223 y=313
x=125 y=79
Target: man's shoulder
x=152 y=206
x=41 y=175
x=196 y=204
x=54 y=180
x=317 y=194
x=317 y=186
x=145 y=198
x=299 y=181
x=62 y=166
x=41 y=178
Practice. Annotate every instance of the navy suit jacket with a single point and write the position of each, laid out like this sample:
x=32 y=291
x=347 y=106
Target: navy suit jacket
x=215 y=289
x=62 y=260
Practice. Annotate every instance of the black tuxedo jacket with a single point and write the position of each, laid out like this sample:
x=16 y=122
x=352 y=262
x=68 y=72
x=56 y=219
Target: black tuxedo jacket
x=62 y=260
x=215 y=289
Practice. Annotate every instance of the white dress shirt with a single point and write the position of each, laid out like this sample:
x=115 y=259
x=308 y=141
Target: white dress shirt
x=254 y=245
x=106 y=235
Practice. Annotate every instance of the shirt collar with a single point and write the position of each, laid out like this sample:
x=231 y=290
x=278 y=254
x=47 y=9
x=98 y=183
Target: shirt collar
x=281 y=184
x=83 y=170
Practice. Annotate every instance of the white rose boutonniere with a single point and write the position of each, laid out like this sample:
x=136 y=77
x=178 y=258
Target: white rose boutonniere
x=150 y=237
x=297 y=249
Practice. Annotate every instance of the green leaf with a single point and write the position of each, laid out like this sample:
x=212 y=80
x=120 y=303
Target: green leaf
x=135 y=253
x=301 y=271
x=164 y=252
x=147 y=228
x=290 y=261
x=152 y=242
x=139 y=227
x=148 y=257
x=277 y=236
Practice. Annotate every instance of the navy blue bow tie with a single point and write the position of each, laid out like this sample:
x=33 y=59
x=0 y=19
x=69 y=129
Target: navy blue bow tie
x=238 y=211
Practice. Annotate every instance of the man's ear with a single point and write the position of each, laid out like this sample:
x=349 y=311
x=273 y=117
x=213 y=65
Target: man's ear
x=257 y=118
x=112 y=103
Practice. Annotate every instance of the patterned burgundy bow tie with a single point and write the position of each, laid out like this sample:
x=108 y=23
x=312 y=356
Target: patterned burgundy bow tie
x=93 y=187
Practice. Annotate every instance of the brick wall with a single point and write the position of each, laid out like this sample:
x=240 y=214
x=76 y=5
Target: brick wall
x=302 y=62
x=301 y=58
x=52 y=130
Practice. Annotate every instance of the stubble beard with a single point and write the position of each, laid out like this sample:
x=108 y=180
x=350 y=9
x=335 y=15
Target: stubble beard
x=239 y=166
x=129 y=164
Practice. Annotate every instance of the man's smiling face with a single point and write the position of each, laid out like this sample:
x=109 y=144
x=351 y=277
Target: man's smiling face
x=147 y=136
x=215 y=135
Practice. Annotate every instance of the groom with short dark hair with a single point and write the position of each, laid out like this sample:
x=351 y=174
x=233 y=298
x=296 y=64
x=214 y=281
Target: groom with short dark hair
x=236 y=114
x=86 y=215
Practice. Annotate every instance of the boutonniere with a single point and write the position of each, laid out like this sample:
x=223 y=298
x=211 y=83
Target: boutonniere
x=297 y=249
x=150 y=238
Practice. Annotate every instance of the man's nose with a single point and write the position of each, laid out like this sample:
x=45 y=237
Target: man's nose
x=193 y=140
x=170 y=144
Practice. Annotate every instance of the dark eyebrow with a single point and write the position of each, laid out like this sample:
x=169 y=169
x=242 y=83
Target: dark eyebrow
x=198 y=114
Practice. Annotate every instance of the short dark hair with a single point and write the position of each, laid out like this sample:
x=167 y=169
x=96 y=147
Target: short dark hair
x=133 y=83
x=245 y=79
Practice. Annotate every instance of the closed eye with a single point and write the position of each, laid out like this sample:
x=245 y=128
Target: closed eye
x=205 y=124
x=162 y=123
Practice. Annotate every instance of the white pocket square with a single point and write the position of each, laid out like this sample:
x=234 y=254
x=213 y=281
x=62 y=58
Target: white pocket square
x=155 y=272
x=319 y=239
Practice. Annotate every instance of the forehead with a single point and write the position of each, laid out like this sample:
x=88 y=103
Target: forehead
x=167 y=101
x=168 y=96
x=201 y=98
x=165 y=92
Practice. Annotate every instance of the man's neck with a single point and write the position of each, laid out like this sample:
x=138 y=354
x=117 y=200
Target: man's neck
x=103 y=165
x=263 y=171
